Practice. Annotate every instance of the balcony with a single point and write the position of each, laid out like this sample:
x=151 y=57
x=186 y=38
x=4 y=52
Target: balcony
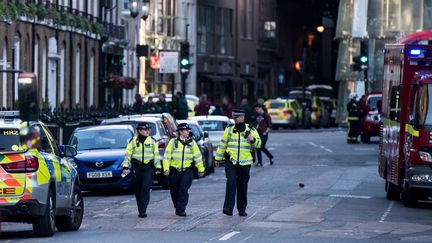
x=114 y=31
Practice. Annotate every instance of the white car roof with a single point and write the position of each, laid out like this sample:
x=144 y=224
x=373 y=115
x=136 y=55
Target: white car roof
x=188 y=122
x=138 y=118
x=210 y=118
x=107 y=126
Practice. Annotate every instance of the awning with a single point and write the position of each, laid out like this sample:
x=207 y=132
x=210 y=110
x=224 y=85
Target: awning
x=214 y=78
x=235 y=79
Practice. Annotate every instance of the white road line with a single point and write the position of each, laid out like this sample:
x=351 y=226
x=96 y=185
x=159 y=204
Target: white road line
x=229 y=235
x=252 y=215
x=387 y=212
x=320 y=146
x=350 y=196
x=245 y=239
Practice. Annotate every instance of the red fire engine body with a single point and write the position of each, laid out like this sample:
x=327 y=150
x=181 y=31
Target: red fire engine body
x=405 y=154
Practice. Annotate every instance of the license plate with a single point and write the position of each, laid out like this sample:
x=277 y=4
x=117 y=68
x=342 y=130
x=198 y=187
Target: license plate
x=101 y=174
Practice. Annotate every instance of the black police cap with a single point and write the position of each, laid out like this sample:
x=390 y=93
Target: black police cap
x=182 y=126
x=143 y=126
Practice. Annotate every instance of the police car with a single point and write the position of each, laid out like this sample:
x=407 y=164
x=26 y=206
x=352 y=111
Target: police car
x=37 y=183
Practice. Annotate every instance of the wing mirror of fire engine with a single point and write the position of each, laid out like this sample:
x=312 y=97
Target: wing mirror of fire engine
x=68 y=151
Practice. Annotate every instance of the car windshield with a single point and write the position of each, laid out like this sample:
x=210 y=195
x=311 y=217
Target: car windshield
x=101 y=139
x=276 y=105
x=213 y=125
x=9 y=140
x=196 y=131
x=372 y=101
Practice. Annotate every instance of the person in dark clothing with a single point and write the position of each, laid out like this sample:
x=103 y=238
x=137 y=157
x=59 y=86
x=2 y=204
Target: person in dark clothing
x=227 y=107
x=263 y=125
x=354 y=126
x=162 y=105
x=150 y=106
x=247 y=109
x=181 y=107
x=139 y=103
x=217 y=111
x=202 y=108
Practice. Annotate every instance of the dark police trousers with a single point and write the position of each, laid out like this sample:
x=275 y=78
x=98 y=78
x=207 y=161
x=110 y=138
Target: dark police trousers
x=263 y=148
x=237 y=181
x=180 y=182
x=143 y=180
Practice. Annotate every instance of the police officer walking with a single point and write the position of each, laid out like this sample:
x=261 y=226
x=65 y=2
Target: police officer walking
x=353 y=119
x=180 y=153
x=143 y=153
x=236 y=147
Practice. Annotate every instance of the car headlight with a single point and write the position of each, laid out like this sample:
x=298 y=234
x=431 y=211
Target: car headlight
x=72 y=162
x=425 y=156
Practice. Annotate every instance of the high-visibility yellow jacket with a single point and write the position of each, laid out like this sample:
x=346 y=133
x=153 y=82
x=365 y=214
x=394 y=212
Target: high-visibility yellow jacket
x=237 y=146
x=143 y=152
x=180 y=156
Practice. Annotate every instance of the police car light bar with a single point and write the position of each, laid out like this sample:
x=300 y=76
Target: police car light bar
x=9 y=114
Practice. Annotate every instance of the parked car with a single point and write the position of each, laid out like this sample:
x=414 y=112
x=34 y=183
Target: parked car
x=167 y=119
x=101 y=151
x=326 y=94
x=298 y=95
x=37 y=184
x=204 y=143
x=215 y=126
x=157 y=130
x=192 y=101
x=371 y=123
x=284 y=112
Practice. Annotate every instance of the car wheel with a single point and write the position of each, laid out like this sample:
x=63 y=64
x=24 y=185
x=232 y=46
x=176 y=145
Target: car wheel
x=392 y=192
x=45 y=225
x=408 y=197
x=73 y=221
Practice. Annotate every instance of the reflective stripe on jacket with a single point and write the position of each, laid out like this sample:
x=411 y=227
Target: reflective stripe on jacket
x=237 y=146
x=143 y=152
x=181 y=156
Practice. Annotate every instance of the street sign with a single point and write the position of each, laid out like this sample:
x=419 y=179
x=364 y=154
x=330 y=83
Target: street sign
x=155 y=62
x=169 y=62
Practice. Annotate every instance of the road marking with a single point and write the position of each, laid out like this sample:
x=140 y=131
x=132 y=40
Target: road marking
x=387 y=212
x=350 y=196
x=245 y=239
x=320 y=146
x=229 y=235
x=365 y=149
x=320 y=165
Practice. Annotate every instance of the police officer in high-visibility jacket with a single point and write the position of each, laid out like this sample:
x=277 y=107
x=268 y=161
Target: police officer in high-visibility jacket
x=236 y=147
x=180 y=153
x=142 y=153
x=354 y=124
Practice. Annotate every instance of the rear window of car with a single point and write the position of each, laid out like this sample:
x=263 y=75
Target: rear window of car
x=9 y=140
x=276 y=105
x=162 y=128
x=101 y=139
x=213 y=125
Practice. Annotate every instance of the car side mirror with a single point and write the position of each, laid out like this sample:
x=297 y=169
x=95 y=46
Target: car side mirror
x=206 y=135
x=68 y=151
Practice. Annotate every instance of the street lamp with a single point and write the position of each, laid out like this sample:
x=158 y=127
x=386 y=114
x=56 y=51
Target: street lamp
x=139 y=8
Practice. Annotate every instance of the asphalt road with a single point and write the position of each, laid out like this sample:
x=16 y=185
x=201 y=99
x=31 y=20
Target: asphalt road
x=342 y=200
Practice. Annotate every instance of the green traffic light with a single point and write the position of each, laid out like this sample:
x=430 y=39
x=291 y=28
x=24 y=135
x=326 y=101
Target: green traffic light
x=363 y=59
x=184 y=62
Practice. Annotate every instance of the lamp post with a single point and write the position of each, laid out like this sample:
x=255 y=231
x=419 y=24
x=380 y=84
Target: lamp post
x=137 y=8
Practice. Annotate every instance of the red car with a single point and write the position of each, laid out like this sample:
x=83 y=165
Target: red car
x=371 y=123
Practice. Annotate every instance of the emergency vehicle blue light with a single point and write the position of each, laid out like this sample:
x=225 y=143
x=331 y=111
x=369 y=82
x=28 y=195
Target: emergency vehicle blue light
x=415 y=52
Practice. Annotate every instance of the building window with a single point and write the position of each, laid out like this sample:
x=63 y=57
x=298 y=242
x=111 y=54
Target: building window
x=205 y=29
x=269 y=29
x=249 y=18
x=91 y=81
x=62 y=73
x=17 y=58
x=224 y=31
x=77 y=76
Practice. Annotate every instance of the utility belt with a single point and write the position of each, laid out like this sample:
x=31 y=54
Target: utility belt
x=180 y=169
x=136 y=162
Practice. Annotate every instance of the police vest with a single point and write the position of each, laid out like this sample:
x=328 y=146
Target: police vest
x=237 y=146
x=180 y=156
x=143 y=152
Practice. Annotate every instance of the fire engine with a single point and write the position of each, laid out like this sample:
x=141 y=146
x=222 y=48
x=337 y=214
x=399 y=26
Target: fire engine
x=405 y=151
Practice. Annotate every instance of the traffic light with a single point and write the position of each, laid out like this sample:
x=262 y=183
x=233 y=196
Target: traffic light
x=361 y=61
x=184 y=57
x=356 y=66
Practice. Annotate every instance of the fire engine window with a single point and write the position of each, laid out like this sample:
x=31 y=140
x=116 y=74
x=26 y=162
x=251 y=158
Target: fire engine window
x=395 y=103
x=423 y=105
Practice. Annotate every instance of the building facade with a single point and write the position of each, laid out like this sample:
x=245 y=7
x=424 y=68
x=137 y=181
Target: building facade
x=59 y=42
